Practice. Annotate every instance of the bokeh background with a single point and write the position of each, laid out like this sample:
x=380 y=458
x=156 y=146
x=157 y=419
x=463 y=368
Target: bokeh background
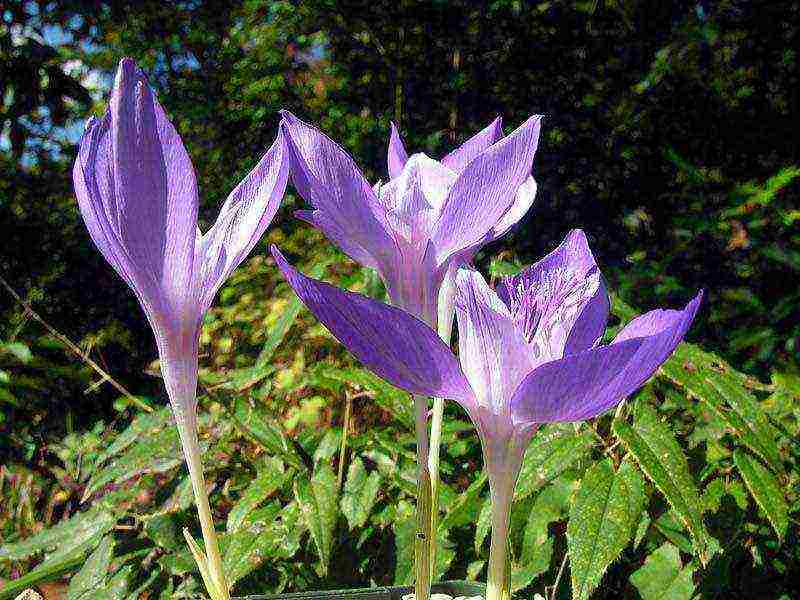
x=670 y=137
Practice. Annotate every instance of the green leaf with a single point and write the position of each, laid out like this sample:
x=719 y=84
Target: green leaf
x=483 y=525
x=553 y=450
x=319 y=507
x=144 y=424
x=93 y=573
x=662 y=578
x=765 y=490
x=599 y=526
x=18 y=350
x=551 y=504
x=270 y=477
x=71 y=541
x=252 y=421
x=724 y=390
x=464 y=509
x=158 y=452
x=658 y=454
x=360 y=492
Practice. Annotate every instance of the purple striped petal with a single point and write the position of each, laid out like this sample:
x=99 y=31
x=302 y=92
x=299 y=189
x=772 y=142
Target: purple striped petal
x=560 y=294
x=464 y=154
x=247 y=212
x=396 y=346
x=397 y=153
x=485 y=190
x=153 y=204
x=494 y=356
x=584 y=385
x=526 y=194
x=346 y=207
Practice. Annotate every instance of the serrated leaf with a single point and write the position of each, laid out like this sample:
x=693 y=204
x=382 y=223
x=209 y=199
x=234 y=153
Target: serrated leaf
x=144 y=424
x=658 y=454
x=93 y=573
x=765 y=491
x=464 y=509
x=158 y=452
x=662 y=578
x=599 y=526
x=318 y=505
x=553 y=450
x=634 y=482
x=261 y=428
x=270 y=477
x=70 y=541
x=359 y=494
x=724 y=390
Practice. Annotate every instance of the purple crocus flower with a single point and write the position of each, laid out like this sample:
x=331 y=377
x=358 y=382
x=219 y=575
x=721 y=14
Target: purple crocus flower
x=137 y=193
x=528 y=355
x=429 y=216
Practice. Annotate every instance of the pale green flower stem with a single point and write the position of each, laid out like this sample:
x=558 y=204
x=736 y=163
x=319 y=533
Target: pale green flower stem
x=498 y=574
x=213 y=577
x=445 y=330
x=423 y=538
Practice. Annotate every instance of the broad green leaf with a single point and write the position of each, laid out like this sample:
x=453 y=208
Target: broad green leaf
x=553 y=450
x=270 y=477
x=359 y=494
x=164 y=531
x=388 y=397
x=551 y=504
x=261 y=428
x=93 y=573
x=636 y=495
x=464 y=509
x=117 y=586
x=483 y=525
x=660 y=457
x=599 y=526
x=144 y=424
x=81 y=527
x=765 y=490
x=662 y=577
x=71 y=542
x=319 y=507
x=158 y=452
x=724 y=390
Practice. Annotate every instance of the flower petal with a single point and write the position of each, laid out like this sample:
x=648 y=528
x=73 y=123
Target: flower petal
x=590 y=324
x=154 y=203
x=397 y=153
x=549 y=298
x=584 y=385
x=243 y=218
x=485 y=190
x=347 y=209
x=494 y=356
x=463 y=155
x=396 y=346
x=526 y=194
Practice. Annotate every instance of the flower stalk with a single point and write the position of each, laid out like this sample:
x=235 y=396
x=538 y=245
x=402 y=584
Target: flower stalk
x=424 y=536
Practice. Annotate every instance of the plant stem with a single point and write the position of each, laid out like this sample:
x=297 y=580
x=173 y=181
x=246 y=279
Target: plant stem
x=343 y=449
x=444 y=322
x=497 y=577
x=187 y=428
x=422 y=540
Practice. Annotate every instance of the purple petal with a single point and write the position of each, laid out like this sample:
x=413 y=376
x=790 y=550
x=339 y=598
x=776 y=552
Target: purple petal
x=485 y=190
x=243 y=218
x=526 y=194
x=397 y=153
x=153 y=205
x=556 y=295
x=463 y=155
x=584 y=385
x=347 y=209
x=494 y=356
x=396 y=346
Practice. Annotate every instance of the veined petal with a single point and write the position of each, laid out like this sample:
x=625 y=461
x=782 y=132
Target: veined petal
x=494 y=356
x=346 y=207
x=154 y=204
x=584 y=385
x=463 y=155
x=526 y=194
x=549 y=299
x=485 y=190
x=397 y=155
x=396 y=346
x=243 y=218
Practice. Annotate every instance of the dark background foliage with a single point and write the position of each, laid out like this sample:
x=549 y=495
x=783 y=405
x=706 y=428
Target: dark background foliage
x=669 y=137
